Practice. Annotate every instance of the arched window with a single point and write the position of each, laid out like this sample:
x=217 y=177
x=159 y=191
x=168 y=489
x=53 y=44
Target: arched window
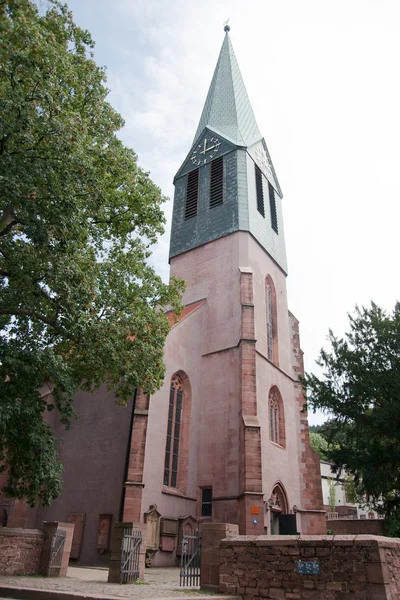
x=272 y=325
x=173 y=432
x=276 y=417
x=178 y=429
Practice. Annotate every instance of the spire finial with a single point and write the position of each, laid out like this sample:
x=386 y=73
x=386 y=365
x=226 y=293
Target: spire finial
x=226 y=26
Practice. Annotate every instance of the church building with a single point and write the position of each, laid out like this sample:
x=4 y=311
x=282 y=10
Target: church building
x=226 y=437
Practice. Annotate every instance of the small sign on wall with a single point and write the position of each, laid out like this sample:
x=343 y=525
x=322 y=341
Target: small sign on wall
x=307 y=567
x=255 y=510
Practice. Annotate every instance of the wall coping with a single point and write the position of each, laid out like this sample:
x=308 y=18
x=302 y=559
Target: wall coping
x=311 y=540
x=20 y=532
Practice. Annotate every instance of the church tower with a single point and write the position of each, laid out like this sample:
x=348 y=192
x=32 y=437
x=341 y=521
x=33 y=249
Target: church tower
x=225 y=438
x=230 y=412
x=227 y=182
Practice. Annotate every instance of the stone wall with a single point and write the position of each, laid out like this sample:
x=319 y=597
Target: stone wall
x=343 y=511
x=350 y=567
x=20 y=551
x=356 y=526
x=392 y=558
x=211 y=536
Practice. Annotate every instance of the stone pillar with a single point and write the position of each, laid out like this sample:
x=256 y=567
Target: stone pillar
x=211 y=536
x=250 y=501
x=49 y=530
x=314 y=522
x=134 y=484
x=114 y=573
x=68 y=528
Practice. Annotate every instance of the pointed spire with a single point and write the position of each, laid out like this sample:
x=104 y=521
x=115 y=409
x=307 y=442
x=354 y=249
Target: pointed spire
x=227 y=109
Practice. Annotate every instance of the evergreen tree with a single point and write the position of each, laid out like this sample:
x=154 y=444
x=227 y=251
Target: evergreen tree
x=360 y=388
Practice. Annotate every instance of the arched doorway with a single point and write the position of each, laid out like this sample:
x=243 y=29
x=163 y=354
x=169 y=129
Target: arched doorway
x=281 y=522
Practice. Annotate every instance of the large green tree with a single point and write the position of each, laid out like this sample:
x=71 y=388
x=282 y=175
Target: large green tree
x=360 y=389
x=79 y=304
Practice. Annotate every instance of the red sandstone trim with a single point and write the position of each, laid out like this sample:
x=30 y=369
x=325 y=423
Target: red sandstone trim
x=250 y=432
x=188 y=309
x=133 y=493
x=311 y=490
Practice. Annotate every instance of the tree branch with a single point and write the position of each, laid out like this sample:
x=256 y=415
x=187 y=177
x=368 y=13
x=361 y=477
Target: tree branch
x=4 y=253
x=7 y=220
x=21 y=312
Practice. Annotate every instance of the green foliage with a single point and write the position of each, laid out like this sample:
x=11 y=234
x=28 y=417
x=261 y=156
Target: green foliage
x=79 y=304
x=331 y=495
x=392 y=524
x=319 y=444
x=360 y=388
x=314 y=428
x=351 y=491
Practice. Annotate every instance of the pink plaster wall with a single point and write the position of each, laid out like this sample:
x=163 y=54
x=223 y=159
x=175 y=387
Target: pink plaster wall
x=211 y=271
x=180 y=355
x=252 y=255
x=278 y=464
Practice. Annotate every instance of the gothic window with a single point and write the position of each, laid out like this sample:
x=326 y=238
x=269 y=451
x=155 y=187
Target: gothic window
x=192 y=194
x=271 y=318
x=276 y=417
x=216 y=182
x=272 y=208
x=259 y=190
x=173 y=433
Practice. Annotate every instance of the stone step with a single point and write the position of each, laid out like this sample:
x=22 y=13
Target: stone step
x=25 y=593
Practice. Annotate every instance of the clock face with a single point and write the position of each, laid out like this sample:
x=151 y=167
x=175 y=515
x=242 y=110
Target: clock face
x=205 y=151
x=263 y=161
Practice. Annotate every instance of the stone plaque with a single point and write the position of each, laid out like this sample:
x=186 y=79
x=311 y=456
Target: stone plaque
x=168 y=526
x=307 y=567
x=103 y=535
x=152 y=520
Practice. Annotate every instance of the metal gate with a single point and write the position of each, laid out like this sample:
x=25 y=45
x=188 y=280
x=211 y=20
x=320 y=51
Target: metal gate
x=190 y=559
x=130 y=551
x=56 y=553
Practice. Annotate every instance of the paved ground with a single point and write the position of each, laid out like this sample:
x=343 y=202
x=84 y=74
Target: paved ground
x=159 y=583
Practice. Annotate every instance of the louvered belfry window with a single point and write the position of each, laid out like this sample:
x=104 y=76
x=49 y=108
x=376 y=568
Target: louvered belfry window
x=272 y=207
x=216 y=182
x=259 y=191
x=173 y=433
x=192 y=194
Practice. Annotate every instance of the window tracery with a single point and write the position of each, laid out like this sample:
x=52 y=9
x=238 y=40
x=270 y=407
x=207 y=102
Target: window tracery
x=276 y=417
x=272 y=321
x=173 y=432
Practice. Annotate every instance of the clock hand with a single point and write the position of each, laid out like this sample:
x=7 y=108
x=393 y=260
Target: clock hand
x=204 y=149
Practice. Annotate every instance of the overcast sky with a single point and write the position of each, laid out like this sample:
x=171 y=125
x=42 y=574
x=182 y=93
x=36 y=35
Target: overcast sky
x=323 y=80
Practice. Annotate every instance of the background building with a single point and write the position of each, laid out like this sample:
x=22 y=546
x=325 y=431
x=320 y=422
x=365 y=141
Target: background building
x=343 y=507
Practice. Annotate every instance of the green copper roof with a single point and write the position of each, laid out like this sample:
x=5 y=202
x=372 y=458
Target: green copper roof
x=227 y=109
